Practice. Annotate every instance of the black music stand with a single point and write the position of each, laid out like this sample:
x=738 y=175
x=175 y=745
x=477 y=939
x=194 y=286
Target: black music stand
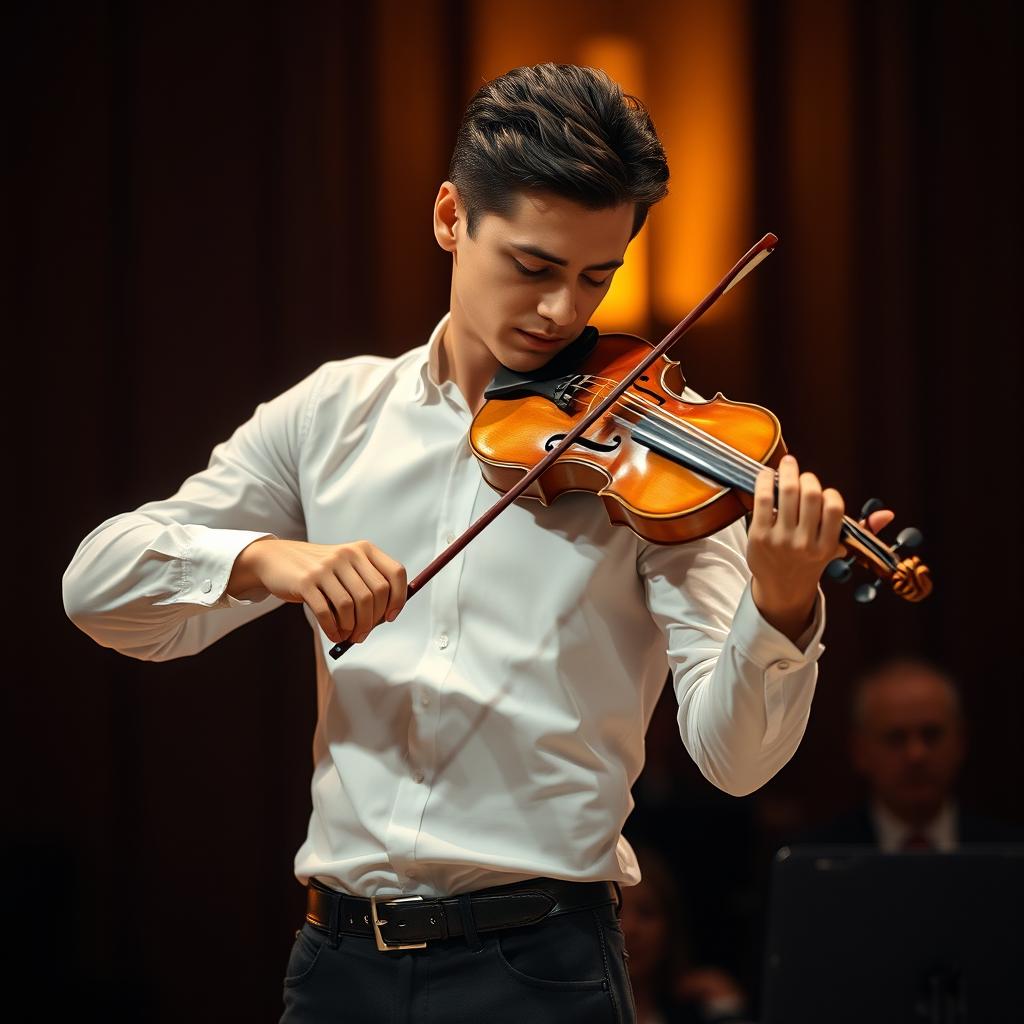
x=856 y=936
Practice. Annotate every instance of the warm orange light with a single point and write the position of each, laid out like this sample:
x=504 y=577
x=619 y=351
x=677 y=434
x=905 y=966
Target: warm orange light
x=533 y=36
x=688 y=62
x=701 y=110
x=626 y=307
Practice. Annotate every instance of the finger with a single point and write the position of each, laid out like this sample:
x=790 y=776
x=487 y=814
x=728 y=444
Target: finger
x=832 y=508
x=394 y=573
x=764 y=501
x=789 y=493
x=377 y=584
x=325 y=614
x=361 y=597
x=879 y=520
x=809 y=521
x=342 y=606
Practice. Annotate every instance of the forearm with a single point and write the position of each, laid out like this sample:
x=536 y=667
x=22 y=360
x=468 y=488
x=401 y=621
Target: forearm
x=790 y=613
x=244 y=578
x=742 y=714
x=136 y=581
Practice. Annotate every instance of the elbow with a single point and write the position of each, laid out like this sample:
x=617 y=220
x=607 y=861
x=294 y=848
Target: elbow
x=736 y=780
x=118 y=630
x=740 y=788
x=75 y=596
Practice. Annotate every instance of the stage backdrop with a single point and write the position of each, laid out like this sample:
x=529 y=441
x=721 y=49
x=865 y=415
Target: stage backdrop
x=207 y=201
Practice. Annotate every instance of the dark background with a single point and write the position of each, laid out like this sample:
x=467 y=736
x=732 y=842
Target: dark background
x=206 y=201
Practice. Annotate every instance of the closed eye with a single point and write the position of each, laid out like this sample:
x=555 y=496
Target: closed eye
x=526 y=272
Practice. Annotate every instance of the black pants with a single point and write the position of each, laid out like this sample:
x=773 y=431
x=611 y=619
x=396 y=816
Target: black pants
x=568 y=968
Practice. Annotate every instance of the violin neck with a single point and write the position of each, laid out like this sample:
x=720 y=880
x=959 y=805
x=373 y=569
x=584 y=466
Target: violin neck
x=715 y=460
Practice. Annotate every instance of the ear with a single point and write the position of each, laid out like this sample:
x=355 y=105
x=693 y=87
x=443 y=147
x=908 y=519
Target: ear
x=449 y=217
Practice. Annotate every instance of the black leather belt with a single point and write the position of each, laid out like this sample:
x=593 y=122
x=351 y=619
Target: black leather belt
x=410 y=922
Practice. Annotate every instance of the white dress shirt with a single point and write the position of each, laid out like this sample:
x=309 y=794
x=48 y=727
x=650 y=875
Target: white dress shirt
x=492 y=732
x=893 y=832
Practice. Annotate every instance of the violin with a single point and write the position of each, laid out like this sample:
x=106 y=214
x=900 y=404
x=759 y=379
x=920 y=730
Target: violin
x=607 y=415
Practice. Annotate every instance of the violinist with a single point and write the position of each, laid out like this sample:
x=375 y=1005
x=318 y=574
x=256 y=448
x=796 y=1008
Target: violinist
x=475 y=748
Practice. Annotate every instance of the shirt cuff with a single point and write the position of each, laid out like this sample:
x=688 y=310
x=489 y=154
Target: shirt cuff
x=779 y=658
x=207 y=565
x=766 y=647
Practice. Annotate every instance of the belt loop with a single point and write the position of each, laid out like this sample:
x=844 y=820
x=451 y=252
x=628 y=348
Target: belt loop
x=618 y=895
x=334 y=922
x=468 y=924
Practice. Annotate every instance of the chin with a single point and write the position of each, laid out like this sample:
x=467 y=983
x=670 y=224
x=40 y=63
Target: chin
x=523 y=362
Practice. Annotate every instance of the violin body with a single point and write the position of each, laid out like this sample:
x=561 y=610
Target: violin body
x=607 y=415
x=625 y=457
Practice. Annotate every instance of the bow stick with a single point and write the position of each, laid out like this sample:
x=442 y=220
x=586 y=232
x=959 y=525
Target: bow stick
x=746 y=263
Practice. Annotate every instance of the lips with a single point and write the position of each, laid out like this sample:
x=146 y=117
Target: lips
x=541 y=337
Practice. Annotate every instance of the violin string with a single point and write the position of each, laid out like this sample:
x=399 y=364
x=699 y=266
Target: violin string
x=737 y=459
x=726 y=451
x=732 y=458
x=727 y=455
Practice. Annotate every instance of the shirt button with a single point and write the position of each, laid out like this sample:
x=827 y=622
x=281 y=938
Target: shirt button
x=425 y=699
x=207 y=586
x=449 y=538
x=418 y=777
x=783 y=665
x=442 y=641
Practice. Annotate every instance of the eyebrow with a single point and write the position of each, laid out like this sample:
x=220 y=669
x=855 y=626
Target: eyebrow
x=533 y=250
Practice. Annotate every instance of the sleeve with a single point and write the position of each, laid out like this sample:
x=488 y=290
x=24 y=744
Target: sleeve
x=744 y=689
x=150 y=583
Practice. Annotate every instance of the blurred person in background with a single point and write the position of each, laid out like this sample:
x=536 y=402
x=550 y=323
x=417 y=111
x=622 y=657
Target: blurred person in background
x=667 y=987
x=908 y=742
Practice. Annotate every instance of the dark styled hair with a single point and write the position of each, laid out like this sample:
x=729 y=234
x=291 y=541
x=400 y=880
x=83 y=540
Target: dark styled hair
x=562 y=129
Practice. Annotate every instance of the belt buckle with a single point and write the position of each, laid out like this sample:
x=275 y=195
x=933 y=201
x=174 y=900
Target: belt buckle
x=378 y=921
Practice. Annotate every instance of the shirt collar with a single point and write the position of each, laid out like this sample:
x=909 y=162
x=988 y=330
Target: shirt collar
x=893 y=832
x=428 y=380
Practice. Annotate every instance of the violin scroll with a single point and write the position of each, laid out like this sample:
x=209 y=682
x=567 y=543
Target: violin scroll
x=910 y=577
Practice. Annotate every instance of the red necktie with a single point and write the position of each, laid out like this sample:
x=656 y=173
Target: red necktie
x=917 y=841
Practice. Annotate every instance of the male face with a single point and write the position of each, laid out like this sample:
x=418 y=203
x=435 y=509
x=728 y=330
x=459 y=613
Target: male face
x=909 y=742
x=525 y=286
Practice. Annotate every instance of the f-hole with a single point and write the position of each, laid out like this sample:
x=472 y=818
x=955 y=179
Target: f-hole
x=660 y=399
x=594 y=446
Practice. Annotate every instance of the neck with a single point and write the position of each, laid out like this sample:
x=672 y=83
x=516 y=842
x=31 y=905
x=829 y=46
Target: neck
x=465 y=360
x=915 y=816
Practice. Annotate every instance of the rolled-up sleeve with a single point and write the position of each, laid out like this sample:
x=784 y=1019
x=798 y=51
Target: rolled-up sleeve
x=744 y=689
x=151 y=583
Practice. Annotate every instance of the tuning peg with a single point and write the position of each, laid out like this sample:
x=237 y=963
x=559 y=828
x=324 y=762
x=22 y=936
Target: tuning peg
x=871 y=505
x=840 y=569
x=908 y=538
x=867 y=592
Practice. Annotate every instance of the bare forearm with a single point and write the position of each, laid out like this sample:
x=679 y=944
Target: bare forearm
x=791 y=617
x=244 y=577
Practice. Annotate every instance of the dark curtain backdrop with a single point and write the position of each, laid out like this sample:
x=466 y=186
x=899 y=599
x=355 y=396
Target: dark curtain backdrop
x=206 y=201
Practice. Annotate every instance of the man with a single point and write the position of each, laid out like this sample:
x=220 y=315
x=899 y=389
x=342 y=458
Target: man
x=908 y=743
x=473 y=761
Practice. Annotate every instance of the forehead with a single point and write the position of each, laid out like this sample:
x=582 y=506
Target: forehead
x=562 y=227
x=908 y=698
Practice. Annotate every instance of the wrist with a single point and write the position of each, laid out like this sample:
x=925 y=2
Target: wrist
x=244 y=576
x=790 y=613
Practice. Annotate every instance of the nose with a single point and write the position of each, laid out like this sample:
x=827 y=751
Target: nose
x=559 y=305
x=916 y=748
